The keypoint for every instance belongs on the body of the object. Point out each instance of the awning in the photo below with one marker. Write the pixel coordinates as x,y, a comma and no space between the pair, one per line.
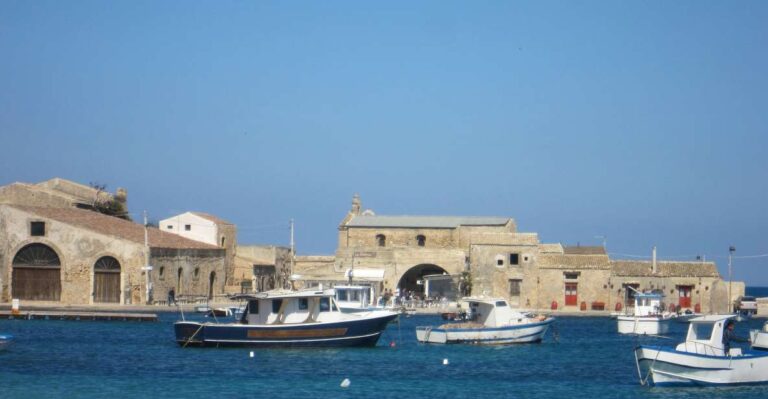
365,274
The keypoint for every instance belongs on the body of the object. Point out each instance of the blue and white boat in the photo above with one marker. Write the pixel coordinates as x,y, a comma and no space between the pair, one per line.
5,341
288,319
488,321
701,359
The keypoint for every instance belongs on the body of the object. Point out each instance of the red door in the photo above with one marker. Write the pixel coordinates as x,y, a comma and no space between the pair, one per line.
685,295
571,296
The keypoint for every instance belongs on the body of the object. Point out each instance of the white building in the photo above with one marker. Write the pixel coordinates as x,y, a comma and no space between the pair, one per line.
197,226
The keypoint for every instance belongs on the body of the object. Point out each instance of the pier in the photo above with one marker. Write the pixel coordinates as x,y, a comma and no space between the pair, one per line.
76,315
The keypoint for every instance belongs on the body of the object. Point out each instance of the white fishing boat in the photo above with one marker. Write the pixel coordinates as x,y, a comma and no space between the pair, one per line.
488,321
701,359
759,338
288,319
648,317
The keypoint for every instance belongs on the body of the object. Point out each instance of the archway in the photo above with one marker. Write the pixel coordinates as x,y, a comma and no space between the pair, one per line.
412,281
211,283
106,280
36,274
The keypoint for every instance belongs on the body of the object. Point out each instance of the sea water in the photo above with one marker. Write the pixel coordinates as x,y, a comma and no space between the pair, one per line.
581,357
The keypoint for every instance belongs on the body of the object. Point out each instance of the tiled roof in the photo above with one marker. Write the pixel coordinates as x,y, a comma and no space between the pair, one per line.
579,250
560,261
630,268
438,222
212,218
115,227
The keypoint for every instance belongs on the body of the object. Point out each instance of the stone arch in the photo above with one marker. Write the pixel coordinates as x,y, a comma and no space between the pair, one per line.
106,280
36,273
409,280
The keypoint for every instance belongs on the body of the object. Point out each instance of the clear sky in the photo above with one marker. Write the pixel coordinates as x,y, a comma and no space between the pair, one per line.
643,122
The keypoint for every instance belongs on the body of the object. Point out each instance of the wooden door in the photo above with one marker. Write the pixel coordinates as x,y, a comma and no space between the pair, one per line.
571,294
684,296
37,284
106,287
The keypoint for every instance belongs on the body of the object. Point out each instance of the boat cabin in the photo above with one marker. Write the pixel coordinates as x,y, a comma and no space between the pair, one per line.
290,308
705,336
491,312
353,296
648,304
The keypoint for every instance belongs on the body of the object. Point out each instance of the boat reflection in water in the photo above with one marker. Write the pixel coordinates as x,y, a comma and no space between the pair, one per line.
288,319
488,321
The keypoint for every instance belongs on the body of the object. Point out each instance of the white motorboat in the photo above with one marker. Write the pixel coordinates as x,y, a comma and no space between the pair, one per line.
759,338
648,317
701,359
287,319
488,321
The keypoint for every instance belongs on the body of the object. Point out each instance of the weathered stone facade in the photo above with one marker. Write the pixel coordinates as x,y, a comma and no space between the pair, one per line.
81,238
499,261
261,268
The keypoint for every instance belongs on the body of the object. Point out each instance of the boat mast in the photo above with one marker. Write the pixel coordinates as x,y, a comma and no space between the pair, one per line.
729,304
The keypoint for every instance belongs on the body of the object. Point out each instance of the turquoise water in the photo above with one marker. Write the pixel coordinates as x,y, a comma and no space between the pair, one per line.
79,359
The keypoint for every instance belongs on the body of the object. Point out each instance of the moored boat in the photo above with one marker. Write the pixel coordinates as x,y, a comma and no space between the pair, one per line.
5,341
488,321
287,319
701,359
647,318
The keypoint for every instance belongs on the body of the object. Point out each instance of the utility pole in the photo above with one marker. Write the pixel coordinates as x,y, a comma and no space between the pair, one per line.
147,268
293,249
731,250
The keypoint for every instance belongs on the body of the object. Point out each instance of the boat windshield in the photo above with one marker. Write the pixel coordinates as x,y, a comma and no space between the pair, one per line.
501,304
700,331
325,304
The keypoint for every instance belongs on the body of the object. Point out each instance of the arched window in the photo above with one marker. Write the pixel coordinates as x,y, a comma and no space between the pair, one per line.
381,240
421,240
197,272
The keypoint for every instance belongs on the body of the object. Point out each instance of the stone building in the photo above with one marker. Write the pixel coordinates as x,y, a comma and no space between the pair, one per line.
261,268
208,229
488,256
67,255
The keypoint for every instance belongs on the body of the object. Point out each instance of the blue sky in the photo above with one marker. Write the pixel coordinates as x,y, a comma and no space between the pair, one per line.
644,122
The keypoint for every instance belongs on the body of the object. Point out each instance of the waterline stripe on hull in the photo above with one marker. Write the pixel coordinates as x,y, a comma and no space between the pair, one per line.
253,341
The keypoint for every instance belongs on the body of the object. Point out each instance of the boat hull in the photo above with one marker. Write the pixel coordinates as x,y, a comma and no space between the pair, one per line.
362,332
643,325
5,341
669,367
516,334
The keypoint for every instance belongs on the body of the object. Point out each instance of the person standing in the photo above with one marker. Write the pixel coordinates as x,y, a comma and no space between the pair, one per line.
729,335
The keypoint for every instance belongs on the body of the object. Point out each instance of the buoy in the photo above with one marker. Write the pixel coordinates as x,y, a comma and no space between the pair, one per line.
251,353
392,344
445,362
345,383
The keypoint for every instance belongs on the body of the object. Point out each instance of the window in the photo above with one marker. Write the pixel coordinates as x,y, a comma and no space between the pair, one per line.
187,227
37,229
325,304
276,304
222,241
421,240
161,271
303,304
571,276
514,287
501,304
514,259
169,227
197,272
381,240
253,307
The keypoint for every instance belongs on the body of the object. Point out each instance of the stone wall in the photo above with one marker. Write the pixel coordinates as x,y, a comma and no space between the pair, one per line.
77,249
189,272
